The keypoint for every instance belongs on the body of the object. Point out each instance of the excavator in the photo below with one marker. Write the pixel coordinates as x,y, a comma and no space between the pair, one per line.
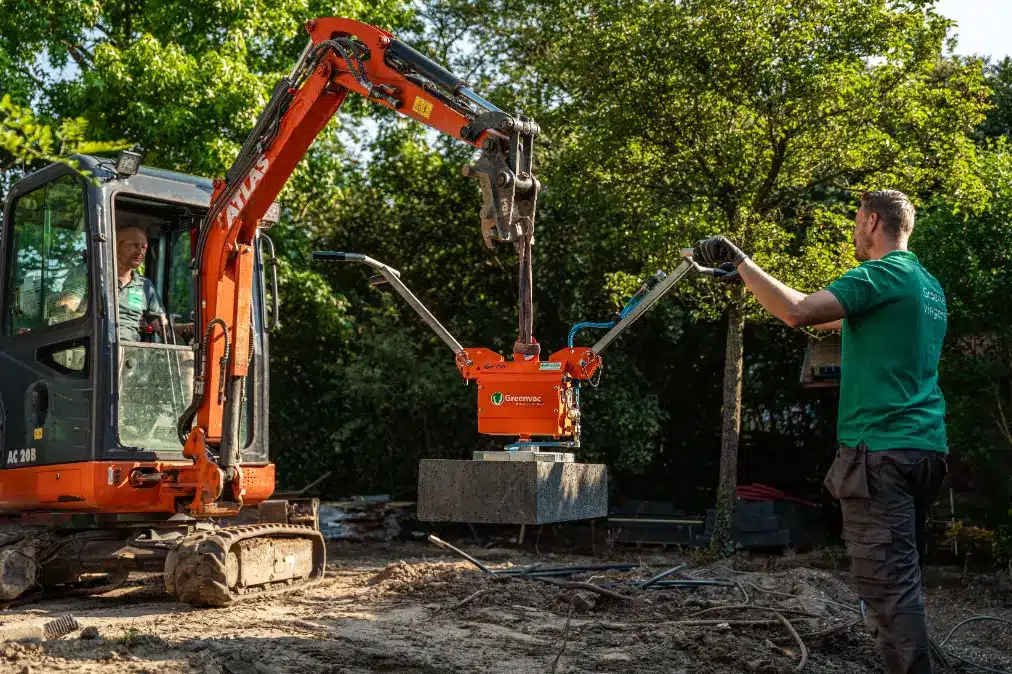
124,455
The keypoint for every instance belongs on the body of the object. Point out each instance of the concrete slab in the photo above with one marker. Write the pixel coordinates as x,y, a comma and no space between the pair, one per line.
510,492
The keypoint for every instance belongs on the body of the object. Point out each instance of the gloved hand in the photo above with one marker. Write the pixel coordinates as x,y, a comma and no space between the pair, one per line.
717,250
728,273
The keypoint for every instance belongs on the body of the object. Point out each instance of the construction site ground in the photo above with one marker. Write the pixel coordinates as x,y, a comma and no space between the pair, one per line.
416,608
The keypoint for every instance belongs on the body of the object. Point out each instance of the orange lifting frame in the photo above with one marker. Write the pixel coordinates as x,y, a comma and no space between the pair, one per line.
526,396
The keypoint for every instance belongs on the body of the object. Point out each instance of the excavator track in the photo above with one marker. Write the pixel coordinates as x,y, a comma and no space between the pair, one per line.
19,552
231,564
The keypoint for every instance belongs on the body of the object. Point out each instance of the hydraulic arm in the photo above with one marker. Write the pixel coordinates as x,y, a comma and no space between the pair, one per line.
342,56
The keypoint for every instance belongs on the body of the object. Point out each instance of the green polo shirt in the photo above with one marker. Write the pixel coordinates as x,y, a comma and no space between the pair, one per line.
892,339
137,299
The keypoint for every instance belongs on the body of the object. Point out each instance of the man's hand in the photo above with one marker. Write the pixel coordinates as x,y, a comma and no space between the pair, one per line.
727,273
184,332
716,251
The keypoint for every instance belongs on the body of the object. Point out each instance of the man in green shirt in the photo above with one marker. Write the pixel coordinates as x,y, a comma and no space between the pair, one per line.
139,306
891,429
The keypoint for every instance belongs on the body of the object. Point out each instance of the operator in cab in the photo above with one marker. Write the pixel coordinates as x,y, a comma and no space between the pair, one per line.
139,305
140,308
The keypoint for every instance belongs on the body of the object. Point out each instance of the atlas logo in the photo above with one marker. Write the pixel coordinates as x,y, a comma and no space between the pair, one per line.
240,198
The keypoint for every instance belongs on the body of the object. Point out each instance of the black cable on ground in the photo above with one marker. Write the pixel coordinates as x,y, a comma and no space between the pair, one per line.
969,620
971,663
939,649
948,652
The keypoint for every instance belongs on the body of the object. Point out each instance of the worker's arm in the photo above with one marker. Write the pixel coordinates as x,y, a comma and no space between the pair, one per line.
820,310
74,292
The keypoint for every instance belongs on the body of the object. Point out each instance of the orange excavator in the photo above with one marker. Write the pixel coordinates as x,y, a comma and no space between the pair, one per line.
126,451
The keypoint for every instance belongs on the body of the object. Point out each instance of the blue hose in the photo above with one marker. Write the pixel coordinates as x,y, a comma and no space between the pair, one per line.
636,299
587,324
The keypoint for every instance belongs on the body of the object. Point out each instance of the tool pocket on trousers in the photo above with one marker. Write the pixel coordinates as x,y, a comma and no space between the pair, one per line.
864,521
868,539
870,551
848,476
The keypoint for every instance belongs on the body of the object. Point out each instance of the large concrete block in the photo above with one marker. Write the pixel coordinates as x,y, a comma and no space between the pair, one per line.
510,492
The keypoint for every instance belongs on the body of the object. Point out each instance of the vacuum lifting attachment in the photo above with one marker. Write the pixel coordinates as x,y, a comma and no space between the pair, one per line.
524,397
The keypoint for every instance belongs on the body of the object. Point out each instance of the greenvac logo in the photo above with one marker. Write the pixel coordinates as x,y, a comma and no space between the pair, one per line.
497,398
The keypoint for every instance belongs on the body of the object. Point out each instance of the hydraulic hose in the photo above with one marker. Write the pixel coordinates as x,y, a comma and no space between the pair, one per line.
200,367
587,324
630,305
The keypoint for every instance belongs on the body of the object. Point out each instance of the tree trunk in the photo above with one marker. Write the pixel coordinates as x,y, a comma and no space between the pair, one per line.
730,425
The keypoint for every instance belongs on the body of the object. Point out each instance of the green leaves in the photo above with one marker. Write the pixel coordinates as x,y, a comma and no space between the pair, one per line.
28,142
183,81
751,113
970,252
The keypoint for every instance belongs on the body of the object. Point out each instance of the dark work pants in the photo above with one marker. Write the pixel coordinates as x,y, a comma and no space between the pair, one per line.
884,497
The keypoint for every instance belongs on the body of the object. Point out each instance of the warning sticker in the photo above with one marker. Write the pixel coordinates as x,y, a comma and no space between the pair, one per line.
422,107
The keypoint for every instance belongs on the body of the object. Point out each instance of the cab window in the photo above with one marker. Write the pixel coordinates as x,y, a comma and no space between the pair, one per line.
156,373
48,280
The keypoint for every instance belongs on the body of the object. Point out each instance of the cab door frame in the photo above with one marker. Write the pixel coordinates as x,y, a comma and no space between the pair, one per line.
72,395
167,187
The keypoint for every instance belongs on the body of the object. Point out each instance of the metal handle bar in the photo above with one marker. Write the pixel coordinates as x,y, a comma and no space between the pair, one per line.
393,277
655,294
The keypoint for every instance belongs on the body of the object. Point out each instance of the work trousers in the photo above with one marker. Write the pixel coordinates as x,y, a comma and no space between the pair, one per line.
884,496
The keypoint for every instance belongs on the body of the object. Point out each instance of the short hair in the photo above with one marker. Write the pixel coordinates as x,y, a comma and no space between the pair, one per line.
126,228
893,208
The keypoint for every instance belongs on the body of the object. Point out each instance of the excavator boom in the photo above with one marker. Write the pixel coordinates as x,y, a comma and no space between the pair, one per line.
342,56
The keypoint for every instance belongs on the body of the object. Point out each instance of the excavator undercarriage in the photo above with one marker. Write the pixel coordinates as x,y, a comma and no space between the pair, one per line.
204,563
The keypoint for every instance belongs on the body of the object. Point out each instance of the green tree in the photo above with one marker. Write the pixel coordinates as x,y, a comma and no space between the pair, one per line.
753,118
971,254
999,118
26,142
184,81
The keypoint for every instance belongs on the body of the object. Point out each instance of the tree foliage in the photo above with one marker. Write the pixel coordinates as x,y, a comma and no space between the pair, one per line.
183,80
971,254
999,117
755,118
28,143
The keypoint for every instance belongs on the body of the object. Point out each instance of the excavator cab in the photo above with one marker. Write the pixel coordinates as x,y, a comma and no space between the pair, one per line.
76,388
94,483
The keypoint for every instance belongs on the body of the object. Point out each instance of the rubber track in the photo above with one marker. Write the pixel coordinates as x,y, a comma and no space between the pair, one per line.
13,535
195,568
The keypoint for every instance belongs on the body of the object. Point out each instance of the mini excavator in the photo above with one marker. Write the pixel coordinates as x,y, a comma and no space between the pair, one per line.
122,455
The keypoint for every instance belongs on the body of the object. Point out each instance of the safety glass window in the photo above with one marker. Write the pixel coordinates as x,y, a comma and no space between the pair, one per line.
178,286
48,282
155,386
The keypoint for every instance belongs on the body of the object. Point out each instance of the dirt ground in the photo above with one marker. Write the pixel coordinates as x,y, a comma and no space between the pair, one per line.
400,607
